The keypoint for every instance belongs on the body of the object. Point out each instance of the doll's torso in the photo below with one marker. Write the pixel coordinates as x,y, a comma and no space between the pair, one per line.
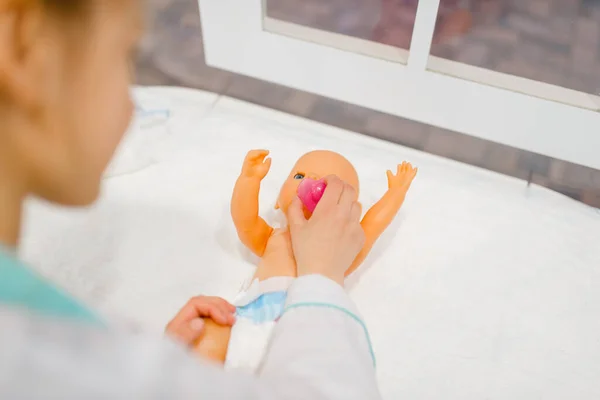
278,258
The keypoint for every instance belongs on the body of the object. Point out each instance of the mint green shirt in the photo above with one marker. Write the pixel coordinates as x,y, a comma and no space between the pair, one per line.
22,287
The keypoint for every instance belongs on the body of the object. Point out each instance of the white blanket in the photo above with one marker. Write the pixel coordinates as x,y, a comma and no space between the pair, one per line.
482,288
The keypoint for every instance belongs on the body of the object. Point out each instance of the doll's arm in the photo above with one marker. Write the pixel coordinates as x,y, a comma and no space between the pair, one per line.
379,217
252,230
375,221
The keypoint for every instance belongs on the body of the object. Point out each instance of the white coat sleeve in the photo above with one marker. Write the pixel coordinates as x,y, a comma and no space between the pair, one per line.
320,351
321,348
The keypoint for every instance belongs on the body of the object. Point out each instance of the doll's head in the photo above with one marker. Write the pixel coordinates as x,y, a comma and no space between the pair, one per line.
316,165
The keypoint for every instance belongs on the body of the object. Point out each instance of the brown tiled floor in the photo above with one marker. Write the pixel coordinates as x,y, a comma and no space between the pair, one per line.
172,54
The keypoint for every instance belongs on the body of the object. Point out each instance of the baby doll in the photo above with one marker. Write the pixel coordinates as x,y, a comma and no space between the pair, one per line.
261,303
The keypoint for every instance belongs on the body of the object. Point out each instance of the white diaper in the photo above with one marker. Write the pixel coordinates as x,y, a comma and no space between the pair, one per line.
259,306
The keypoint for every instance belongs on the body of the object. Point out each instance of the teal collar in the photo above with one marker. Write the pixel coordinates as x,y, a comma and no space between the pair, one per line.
22,287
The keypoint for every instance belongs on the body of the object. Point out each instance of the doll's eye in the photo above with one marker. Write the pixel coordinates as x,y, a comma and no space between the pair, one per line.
299,176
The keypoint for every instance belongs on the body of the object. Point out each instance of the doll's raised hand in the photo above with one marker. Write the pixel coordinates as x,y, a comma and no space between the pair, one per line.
256,165
404,176
377,219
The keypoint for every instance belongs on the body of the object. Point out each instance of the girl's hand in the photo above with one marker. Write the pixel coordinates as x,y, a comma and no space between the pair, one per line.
188,324
328,242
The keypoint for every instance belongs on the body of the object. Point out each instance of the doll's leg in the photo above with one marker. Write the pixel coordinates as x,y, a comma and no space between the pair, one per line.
214,341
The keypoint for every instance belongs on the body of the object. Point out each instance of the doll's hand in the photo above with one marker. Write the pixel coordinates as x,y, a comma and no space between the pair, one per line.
188,324
403,178
256,165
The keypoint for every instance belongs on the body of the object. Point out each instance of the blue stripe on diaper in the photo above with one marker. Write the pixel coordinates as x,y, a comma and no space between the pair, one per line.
266,308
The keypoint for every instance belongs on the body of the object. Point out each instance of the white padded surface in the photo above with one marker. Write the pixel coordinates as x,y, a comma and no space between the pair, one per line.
482,288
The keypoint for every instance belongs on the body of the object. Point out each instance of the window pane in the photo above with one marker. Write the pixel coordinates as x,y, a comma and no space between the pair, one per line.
551,41
383,21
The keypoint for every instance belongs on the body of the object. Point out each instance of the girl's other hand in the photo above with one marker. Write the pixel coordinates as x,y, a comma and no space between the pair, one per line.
188,324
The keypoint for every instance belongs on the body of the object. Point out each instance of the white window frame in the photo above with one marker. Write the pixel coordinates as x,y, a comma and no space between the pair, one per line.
514,111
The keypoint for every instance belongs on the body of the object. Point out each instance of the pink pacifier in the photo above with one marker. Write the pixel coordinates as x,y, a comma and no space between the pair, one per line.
310,192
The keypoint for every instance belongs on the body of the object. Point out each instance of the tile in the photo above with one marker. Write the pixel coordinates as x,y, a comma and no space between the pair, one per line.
596,179
582,82
523,23
300,103
539,8
456,146
245,88
591,198
443,50
557,62
578,176
203,78
519,67
503,159
339,114
556,170
536,163
147,74
490,11
260,92
587,31
583,59
497,35
475,54
397,130
574,193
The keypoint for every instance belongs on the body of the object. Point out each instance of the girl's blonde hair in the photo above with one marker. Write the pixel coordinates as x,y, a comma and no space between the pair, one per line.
65,9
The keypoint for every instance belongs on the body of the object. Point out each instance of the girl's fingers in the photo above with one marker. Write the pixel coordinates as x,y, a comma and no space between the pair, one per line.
331,196
347,197
198,307
221,311
296,218
190,311
228,305
220,317
221,302
355,212
188,332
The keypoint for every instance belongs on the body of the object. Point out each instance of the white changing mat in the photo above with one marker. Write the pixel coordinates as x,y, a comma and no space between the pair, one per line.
482,288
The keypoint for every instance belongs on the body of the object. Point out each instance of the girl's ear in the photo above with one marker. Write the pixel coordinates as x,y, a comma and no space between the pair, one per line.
22,53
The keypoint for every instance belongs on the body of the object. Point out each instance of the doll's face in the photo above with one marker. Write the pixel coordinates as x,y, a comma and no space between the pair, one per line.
316,165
